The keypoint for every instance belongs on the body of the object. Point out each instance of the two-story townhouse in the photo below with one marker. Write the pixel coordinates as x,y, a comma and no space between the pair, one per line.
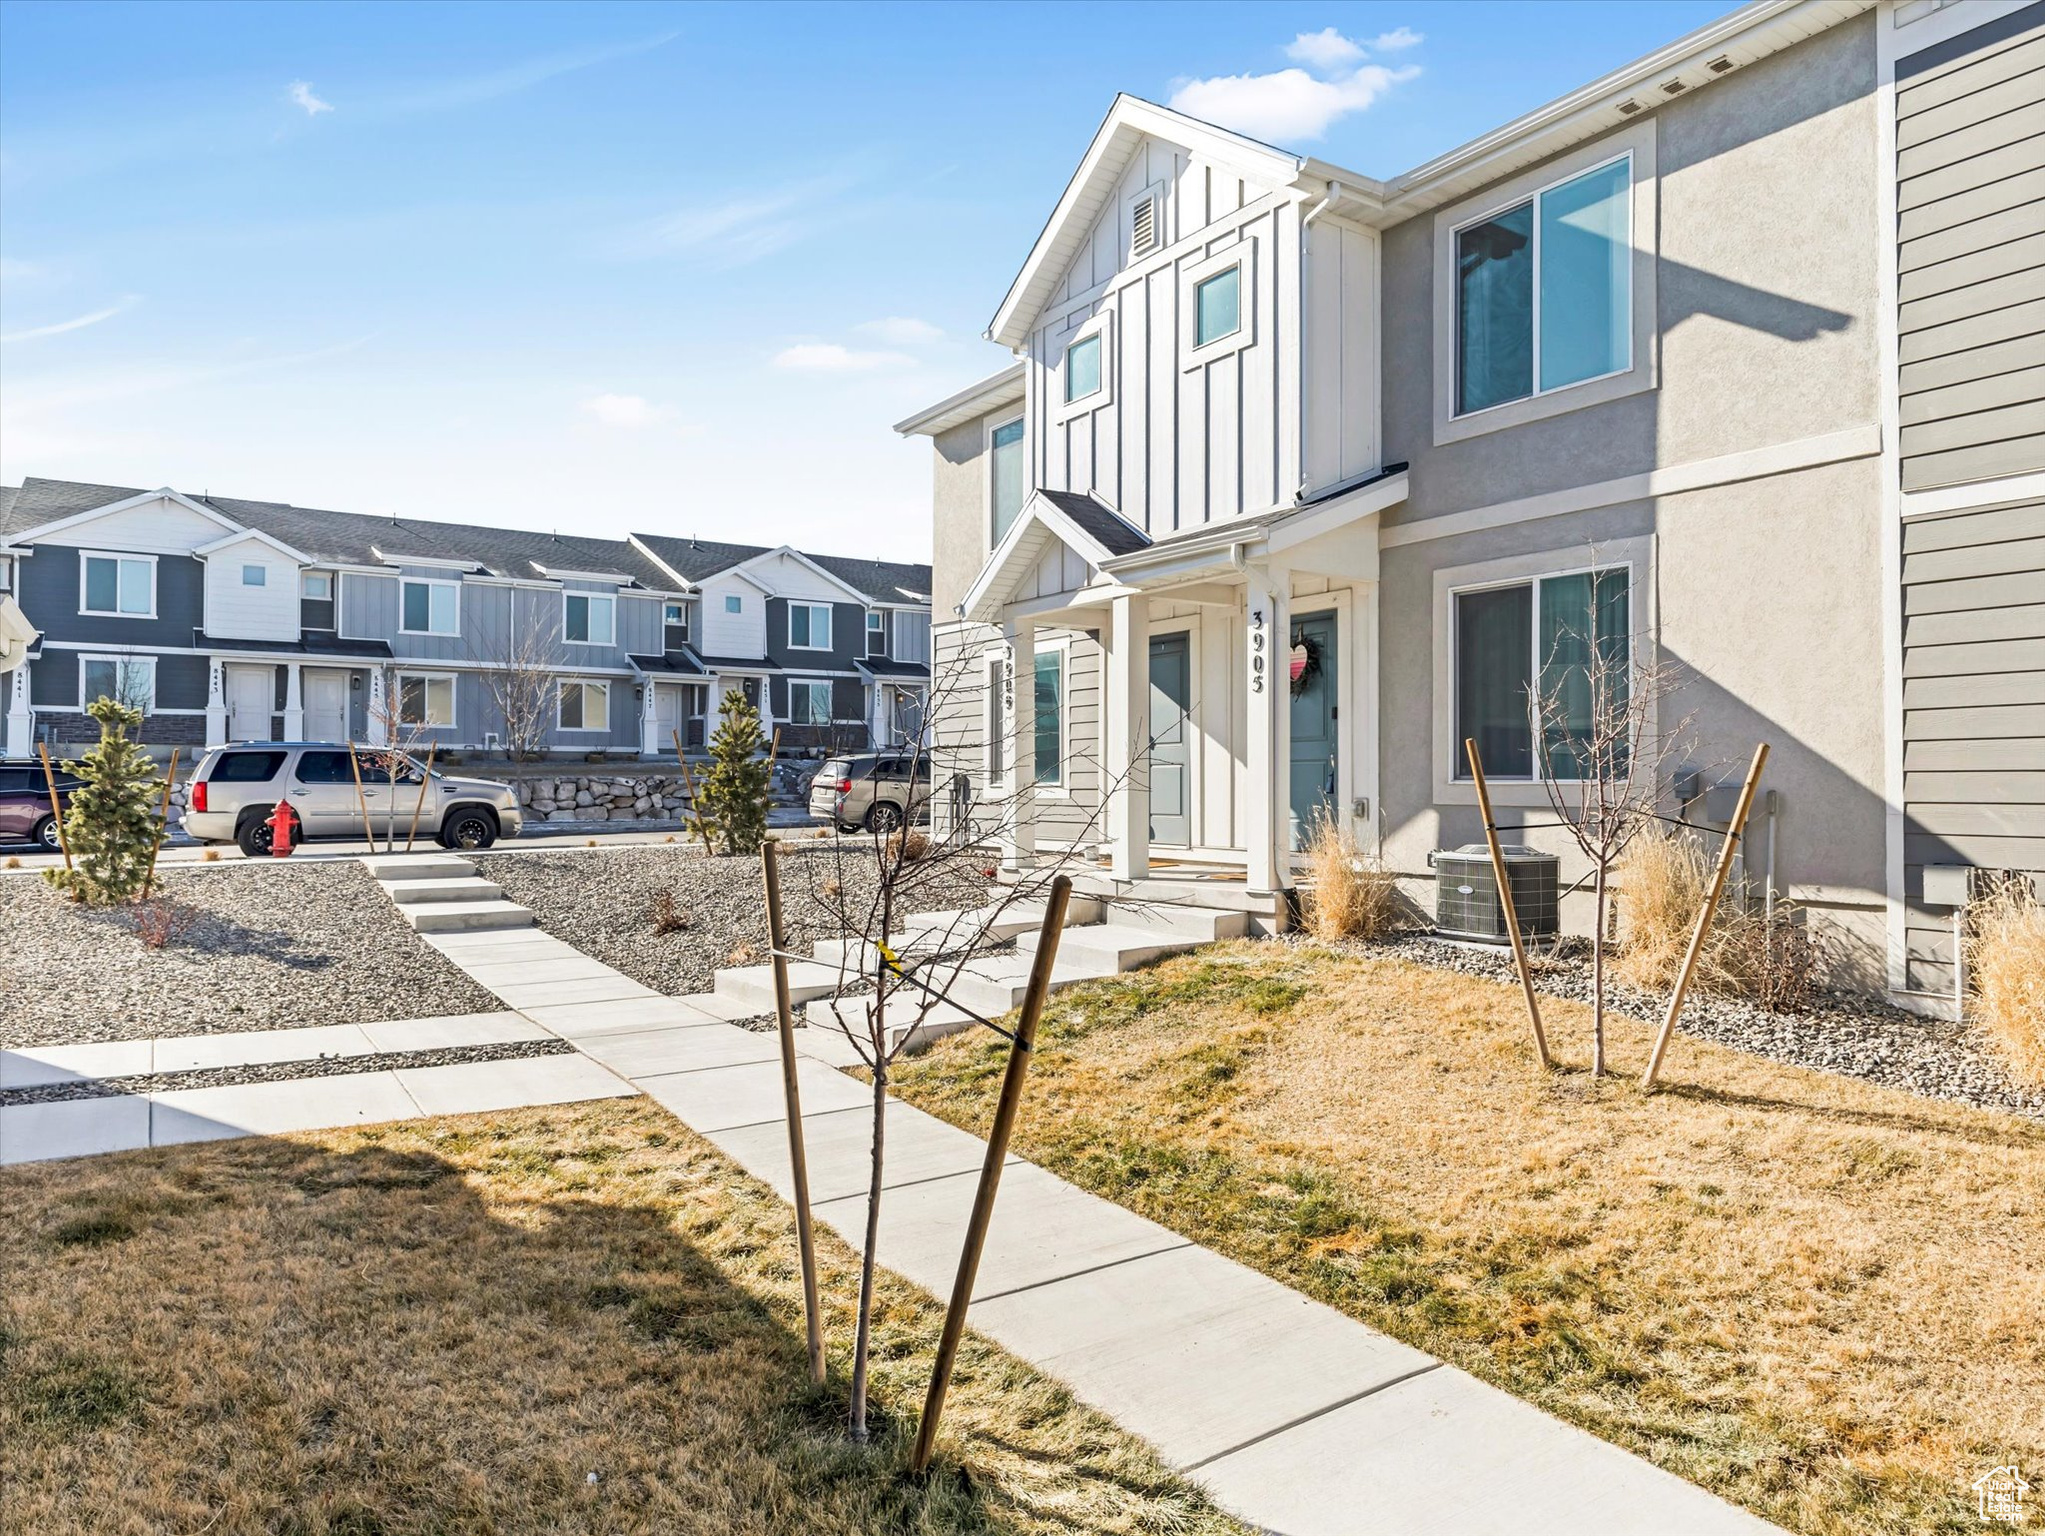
227,619
1302,476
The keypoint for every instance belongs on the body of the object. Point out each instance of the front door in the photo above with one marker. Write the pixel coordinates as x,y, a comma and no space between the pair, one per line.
1171,795
1315,722
326,705
667,715
251,697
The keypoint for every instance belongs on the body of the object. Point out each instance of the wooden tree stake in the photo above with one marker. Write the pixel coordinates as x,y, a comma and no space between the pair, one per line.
695,806
361,798
1005,1111
56,810
1725,864
1512,919
798,1159
432,751
170,779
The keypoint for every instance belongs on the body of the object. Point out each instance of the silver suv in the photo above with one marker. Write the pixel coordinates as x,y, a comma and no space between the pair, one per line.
871,792
236,788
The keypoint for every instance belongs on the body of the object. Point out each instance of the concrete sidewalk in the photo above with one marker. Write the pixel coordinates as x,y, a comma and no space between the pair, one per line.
1299,1419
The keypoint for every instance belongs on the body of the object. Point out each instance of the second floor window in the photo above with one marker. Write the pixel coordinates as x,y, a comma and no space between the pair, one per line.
1083,368
732,602
589,620
118,585
876,634
676,617
1544,293
1005,475
316,586
1218,307
809,626
255,575
431,608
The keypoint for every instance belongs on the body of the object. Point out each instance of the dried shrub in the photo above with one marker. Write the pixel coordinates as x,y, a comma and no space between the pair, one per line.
2006,962
1349,895
742,954
831,887
210,856
1662,883
908,846
160,922
668,917
14,861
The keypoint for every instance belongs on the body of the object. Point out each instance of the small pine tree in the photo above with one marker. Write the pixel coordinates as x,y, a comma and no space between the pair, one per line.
735,788
110,823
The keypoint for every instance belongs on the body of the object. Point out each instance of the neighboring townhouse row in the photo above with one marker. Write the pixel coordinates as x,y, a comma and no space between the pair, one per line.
231,620
1733,359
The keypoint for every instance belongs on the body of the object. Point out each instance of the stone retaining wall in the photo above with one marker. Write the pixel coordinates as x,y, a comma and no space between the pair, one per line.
637,797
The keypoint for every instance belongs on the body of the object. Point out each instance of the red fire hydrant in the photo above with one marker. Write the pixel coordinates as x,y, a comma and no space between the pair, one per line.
282,823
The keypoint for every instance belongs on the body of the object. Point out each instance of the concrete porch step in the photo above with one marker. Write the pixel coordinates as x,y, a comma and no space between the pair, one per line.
418,866
753,985
922,933
465,916
415,892
993,986
1113,947
909,1036
1204,924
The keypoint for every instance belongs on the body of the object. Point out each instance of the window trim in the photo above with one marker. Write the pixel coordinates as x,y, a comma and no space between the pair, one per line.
1635,142
430,581
809,686
593,598
86,658
454,694
85,556
1634,556
1061,787
1103,326
993,425
830,624
1243,255
880,629
322,576
561,687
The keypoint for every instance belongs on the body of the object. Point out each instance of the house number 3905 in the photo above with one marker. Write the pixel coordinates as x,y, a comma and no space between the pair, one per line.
1257,658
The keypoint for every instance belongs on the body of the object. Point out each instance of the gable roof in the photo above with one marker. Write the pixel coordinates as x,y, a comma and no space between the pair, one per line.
1094,518
976,399
881,581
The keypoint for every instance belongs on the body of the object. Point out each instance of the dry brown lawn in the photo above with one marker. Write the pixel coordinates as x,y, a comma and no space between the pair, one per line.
448,1326
1821,1299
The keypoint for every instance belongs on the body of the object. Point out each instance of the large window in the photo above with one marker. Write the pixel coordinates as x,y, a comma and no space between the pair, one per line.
431,608
1083,368
119,584
587,619
1218,306
1524,658
1544,291
809,626
1005,475
585,706
809,703
425,699
1050,717
129,680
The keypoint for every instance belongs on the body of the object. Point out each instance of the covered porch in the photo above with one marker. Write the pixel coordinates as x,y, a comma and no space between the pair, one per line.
1205,697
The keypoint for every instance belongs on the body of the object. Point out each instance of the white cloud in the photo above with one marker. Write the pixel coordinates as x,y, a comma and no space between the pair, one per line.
901,331
829,357
622,410
77,324
1326,50
301,94
1397,38
1287,105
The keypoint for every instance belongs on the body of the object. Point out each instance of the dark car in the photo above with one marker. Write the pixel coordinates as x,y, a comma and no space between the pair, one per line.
25,804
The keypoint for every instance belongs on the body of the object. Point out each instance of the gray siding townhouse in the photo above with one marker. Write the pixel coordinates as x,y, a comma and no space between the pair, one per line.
1734,359
233,620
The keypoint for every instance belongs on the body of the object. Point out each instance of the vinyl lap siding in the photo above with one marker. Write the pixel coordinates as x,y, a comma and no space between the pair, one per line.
1973,708
1970,183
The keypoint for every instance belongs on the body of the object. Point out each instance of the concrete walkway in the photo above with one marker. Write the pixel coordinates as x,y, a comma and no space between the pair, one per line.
1298,1418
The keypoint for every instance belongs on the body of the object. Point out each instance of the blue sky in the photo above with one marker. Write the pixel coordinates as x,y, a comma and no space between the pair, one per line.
606,267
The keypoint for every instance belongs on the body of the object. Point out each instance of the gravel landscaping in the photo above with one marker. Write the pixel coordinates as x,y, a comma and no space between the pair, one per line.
1846,1032
601,900
273,947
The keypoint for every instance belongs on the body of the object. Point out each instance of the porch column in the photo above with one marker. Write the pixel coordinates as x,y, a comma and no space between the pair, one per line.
294,704
216,703
1019,752
649,719
379,715
1125,703
877,715
21,719
1267,800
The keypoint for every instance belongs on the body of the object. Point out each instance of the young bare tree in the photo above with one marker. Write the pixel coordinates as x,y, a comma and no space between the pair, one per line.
520,672
400,715
893,971
1597,709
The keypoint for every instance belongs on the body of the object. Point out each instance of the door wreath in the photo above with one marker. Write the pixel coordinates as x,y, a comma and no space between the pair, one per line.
1306,661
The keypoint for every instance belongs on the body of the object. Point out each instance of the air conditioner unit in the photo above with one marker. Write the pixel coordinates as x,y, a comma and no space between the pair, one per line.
1466,904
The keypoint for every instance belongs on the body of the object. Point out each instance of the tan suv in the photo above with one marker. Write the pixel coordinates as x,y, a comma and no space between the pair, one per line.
871,792
236,788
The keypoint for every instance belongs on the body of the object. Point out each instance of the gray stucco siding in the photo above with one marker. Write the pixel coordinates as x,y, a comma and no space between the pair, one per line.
49,595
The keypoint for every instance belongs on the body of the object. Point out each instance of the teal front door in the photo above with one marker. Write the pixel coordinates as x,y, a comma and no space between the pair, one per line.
1316,726
1171,762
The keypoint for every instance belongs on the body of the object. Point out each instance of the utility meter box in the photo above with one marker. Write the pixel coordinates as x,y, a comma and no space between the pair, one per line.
1948,885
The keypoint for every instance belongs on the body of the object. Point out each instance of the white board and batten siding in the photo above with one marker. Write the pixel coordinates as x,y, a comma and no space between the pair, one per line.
1973,709
236,610
1970,199
722,633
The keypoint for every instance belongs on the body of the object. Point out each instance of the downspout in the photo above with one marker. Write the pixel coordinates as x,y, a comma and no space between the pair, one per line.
1305,229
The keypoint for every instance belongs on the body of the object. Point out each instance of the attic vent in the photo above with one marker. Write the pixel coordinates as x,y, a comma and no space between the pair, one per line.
1673,87
1628,107
1143,226
1720,65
